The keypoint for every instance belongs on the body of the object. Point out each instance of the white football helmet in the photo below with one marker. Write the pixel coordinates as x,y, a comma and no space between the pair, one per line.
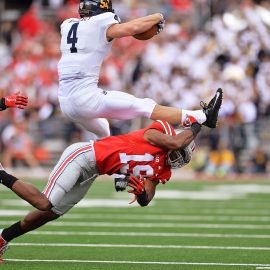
181,157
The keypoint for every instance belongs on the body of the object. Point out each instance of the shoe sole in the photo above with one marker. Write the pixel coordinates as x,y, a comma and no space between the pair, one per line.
218,98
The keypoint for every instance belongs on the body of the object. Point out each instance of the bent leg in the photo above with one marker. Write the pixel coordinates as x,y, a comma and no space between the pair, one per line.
98,127
169,114
123,106
31,222
26,191
37,219
31,194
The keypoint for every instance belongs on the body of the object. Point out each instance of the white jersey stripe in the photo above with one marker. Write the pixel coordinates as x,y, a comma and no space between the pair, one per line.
169,127
64,164
164,127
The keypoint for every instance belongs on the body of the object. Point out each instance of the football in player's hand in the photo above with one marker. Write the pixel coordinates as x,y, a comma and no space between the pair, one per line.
147,34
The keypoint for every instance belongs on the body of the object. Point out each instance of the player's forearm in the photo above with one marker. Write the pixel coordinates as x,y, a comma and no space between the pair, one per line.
169,142
140,25
184,138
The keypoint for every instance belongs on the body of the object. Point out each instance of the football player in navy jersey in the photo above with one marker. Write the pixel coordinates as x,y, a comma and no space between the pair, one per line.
85,42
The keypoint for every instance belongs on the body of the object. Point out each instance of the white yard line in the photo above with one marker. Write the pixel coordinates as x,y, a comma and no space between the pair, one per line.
140,262
151,234
138,246
177,217
151,225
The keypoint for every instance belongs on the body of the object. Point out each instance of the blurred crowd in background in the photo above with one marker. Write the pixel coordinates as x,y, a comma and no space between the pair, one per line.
206,44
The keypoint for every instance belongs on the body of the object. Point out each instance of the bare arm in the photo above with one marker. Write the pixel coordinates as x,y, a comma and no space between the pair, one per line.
133,27
159,139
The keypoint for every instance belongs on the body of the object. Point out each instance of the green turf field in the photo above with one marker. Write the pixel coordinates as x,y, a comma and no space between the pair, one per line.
189,225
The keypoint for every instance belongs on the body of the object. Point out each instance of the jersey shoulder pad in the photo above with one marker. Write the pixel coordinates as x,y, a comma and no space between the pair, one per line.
163,126
107,18
70,20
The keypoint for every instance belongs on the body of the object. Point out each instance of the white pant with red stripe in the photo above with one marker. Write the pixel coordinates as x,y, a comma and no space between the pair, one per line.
90,106
72,177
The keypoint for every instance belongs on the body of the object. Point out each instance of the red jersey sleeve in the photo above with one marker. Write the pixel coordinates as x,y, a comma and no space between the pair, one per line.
163,176
162,126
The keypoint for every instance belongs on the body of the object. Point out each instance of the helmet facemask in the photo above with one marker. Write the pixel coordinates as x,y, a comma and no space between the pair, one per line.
180,157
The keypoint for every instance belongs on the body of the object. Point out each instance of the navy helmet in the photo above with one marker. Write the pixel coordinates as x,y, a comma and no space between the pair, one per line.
90,8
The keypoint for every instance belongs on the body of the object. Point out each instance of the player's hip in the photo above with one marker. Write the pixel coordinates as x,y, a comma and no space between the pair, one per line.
77,160
75,86
82,102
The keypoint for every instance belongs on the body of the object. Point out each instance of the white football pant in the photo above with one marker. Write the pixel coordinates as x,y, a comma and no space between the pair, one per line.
90,106
72,177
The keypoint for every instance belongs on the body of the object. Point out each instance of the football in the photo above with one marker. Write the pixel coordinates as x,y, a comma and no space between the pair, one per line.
147,34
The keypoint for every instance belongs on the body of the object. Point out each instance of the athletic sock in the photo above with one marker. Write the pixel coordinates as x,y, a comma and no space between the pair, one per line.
199,115
12,232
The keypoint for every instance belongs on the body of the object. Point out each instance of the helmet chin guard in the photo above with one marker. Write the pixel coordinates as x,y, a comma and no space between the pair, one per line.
180,157
88,8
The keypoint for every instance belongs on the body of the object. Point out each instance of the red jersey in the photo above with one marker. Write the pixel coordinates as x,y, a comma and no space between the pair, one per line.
131,154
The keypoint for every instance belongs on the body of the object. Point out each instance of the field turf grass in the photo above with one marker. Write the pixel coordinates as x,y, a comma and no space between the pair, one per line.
190,225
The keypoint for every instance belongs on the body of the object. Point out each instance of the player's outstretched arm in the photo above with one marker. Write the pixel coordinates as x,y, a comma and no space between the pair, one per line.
183,139
14,101
136,26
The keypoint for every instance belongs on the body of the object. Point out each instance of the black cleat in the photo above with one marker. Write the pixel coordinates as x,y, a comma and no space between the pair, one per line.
212,109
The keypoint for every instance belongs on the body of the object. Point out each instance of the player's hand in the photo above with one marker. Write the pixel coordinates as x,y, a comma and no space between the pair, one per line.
120,184
189,121
137,185
16,101
161,24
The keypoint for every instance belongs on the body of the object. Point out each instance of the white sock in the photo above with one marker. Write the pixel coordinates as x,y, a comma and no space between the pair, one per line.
199,115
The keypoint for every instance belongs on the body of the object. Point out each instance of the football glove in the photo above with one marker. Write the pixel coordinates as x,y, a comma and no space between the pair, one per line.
15,101
161,24
120,184
137,185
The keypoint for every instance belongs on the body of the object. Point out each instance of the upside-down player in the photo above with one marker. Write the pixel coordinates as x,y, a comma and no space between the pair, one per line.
145,156
85,42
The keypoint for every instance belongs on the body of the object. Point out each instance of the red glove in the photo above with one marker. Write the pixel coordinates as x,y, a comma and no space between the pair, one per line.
16,101
138,186
189,121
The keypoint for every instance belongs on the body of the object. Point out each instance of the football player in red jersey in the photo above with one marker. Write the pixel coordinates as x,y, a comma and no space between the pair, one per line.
145,156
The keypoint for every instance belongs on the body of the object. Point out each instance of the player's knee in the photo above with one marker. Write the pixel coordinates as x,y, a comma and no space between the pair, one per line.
42,203
144,107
